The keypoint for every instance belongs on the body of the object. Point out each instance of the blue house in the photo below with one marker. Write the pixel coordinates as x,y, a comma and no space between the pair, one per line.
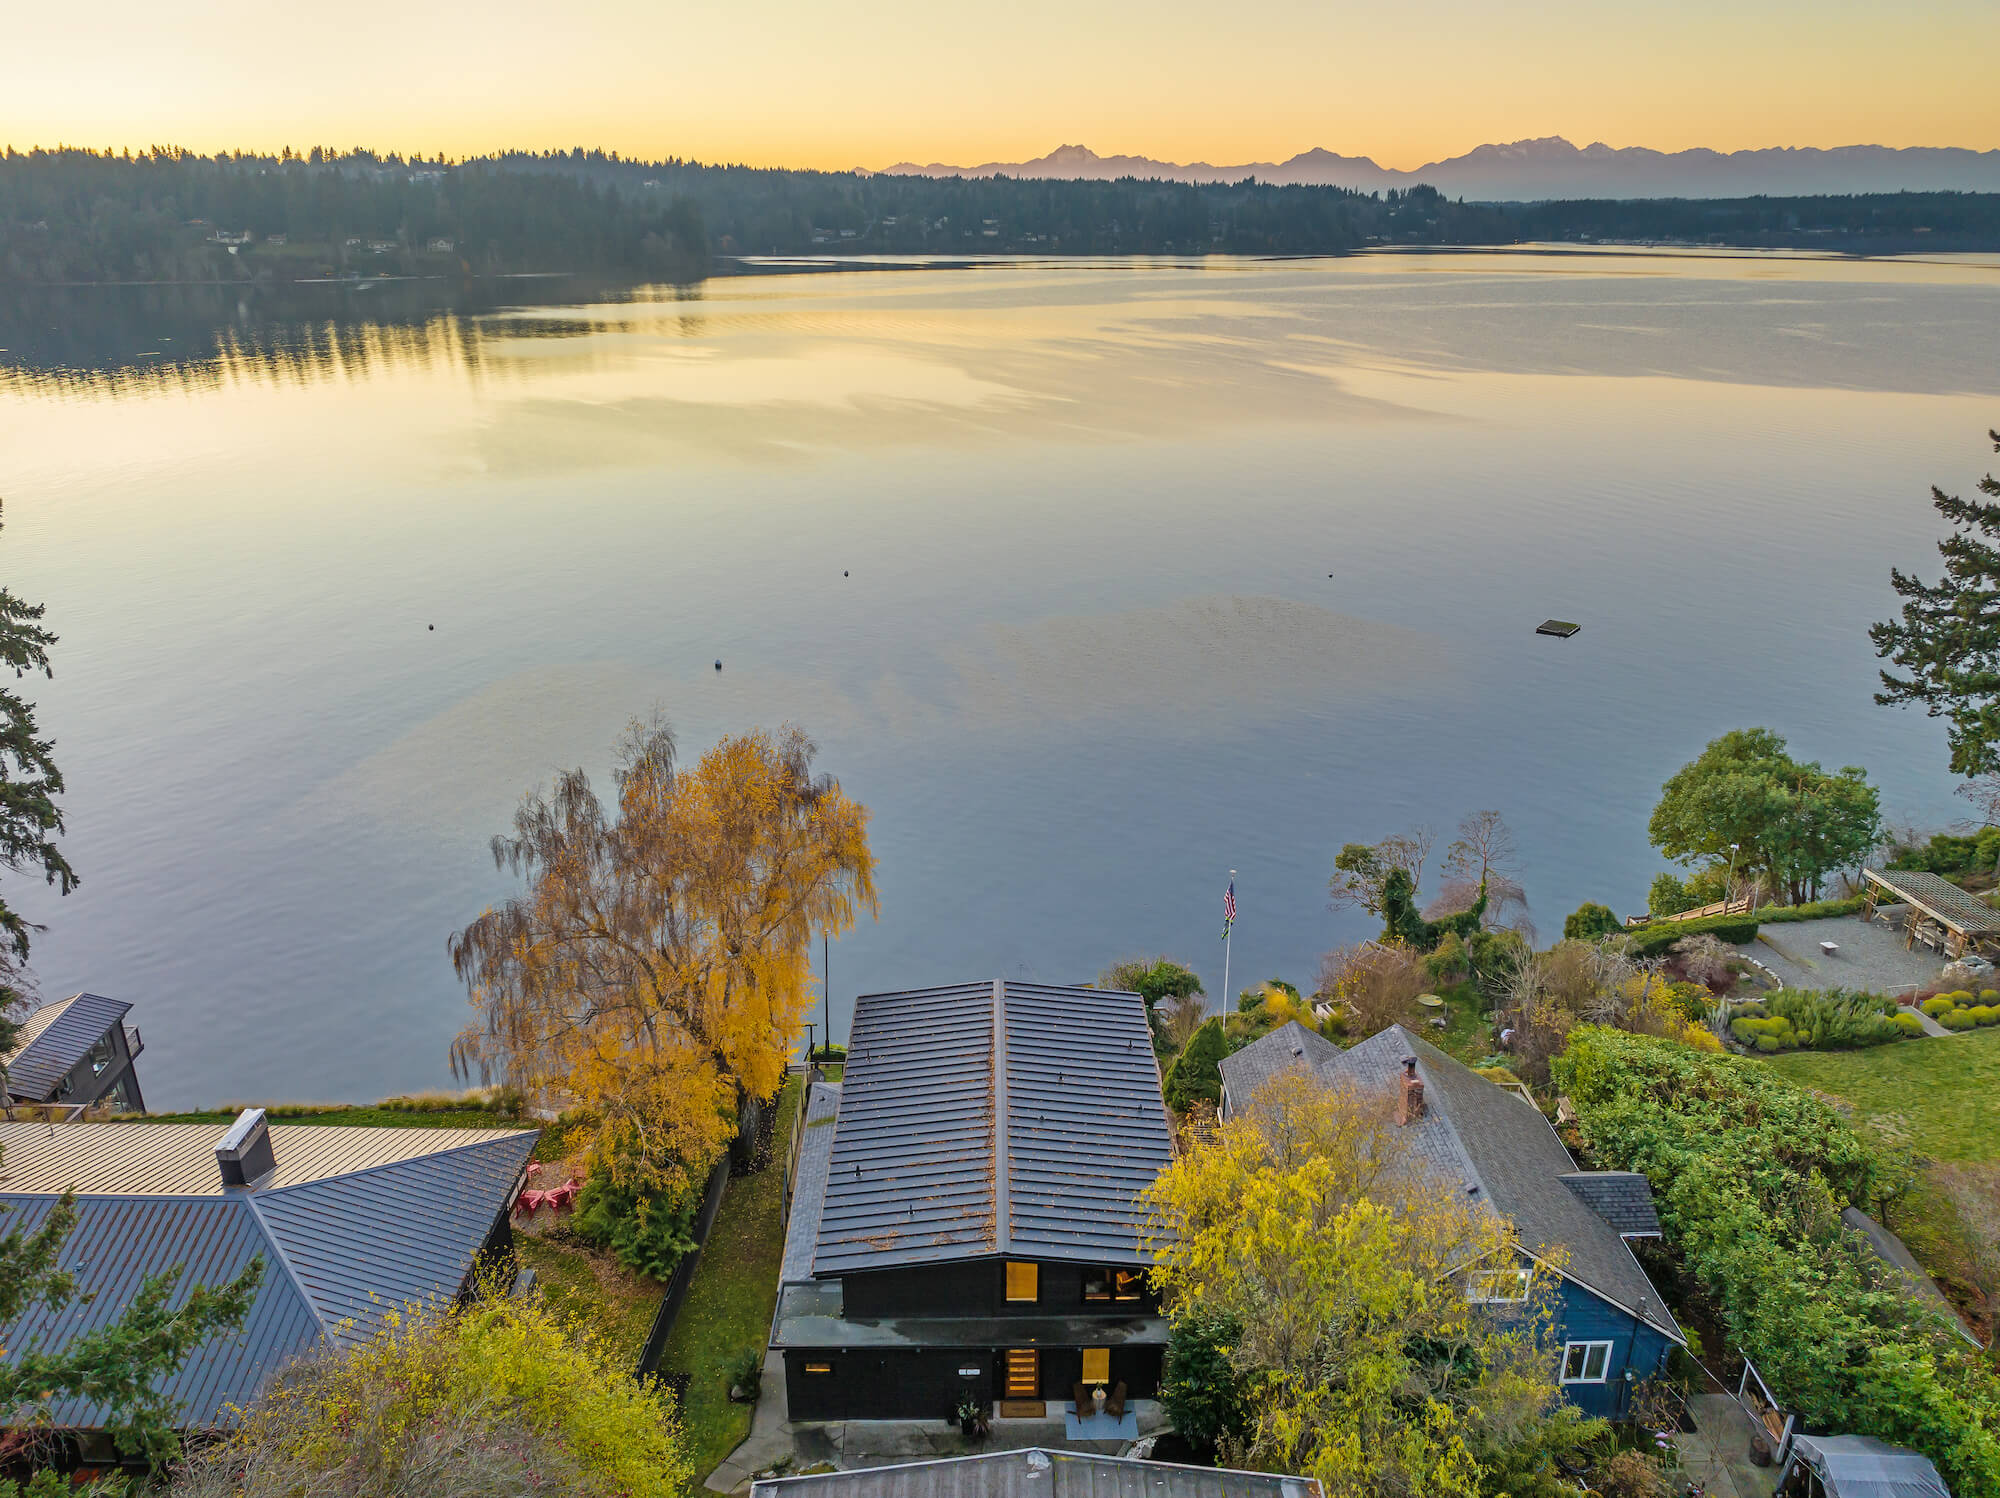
1611,1324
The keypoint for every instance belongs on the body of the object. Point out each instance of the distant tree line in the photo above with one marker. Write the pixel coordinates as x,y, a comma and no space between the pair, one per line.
70,215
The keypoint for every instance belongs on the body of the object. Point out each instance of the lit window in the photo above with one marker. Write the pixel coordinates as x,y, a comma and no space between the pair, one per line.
1024,1282
818,1368
1097,1284
1097,1365
1127,1284
1505,1286
1586,1362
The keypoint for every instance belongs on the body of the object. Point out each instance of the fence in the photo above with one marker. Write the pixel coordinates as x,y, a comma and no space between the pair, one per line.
683,1275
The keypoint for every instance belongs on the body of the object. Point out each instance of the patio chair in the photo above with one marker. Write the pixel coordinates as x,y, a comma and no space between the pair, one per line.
562,1197
1080,1395
1114,1402
529,1202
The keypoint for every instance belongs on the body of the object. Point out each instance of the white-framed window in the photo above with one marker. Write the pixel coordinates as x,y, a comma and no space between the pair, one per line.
1506,1286
1586,1362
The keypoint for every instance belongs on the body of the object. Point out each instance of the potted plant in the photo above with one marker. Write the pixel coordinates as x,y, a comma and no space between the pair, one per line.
974,1419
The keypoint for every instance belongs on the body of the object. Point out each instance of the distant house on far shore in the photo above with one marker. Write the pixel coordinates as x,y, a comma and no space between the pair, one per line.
77,1051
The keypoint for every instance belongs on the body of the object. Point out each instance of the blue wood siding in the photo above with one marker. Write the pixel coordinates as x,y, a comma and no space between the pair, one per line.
1636,1347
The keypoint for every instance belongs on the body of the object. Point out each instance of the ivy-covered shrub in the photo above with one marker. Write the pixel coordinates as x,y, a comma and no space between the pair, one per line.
1750,1173
1196,1075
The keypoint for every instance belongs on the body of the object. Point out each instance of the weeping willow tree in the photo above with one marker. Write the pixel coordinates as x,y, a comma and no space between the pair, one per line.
656,971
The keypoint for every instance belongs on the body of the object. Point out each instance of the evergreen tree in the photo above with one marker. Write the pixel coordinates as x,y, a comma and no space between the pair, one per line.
1948,640
29,785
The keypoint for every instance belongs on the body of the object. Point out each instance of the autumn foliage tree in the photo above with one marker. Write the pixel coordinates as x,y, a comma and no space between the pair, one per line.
656,972
1337,1267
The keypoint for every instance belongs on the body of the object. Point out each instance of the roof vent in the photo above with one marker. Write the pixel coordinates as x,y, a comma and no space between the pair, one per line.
243,1155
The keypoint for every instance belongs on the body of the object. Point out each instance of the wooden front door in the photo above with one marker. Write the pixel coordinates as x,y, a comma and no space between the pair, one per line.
1024,1373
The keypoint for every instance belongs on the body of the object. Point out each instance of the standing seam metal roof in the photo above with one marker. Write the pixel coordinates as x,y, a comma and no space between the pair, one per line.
339,1251
1035,1473
992,1118
49,1047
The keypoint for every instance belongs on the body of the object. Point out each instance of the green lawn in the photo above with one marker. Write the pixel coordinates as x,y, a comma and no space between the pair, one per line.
593,1289
1946,1091
729,1305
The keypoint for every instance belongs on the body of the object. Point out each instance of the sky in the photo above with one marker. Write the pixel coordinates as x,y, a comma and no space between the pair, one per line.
871,82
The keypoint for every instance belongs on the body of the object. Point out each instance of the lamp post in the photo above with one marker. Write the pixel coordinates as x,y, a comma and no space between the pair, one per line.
1729,889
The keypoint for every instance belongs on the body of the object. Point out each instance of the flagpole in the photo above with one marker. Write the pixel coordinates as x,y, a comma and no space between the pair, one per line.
1227,931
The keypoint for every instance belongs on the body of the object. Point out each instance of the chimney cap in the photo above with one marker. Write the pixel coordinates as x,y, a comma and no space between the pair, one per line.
1409,1066
241,1132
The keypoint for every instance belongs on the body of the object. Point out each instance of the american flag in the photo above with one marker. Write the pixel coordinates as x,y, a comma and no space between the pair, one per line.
1229,907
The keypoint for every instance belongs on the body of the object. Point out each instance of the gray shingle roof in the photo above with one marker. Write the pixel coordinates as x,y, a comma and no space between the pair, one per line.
1895,1253
992,1118
809,1182
338,1251
1476,1134
55,1038
1623,1198
1034,1473
1289,1046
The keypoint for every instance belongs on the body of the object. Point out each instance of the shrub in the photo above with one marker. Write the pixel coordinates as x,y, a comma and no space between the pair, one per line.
648,1233
1772,1034
1989,995
1651,941
1816,910
1937,1006
1196,1075
1200,1392
1589,921
1669,895
499,1400
1943,854
1957,1019
1750,1173
1983,1014
1835,1019
1908,1023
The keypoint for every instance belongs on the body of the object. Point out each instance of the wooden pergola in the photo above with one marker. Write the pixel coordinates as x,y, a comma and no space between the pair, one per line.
1942,915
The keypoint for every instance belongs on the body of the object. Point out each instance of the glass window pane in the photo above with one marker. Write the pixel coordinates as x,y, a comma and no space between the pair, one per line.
1097,1365
1023,1281
1097,1284
1127,1284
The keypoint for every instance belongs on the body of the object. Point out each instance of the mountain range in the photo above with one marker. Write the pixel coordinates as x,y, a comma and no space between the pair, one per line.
1533,170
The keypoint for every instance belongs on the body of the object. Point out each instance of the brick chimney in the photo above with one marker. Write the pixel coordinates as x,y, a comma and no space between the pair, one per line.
1410,1094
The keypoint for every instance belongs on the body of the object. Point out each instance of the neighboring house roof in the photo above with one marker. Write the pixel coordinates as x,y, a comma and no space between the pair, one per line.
54,1038
991,1119
1894,1252
1289,1047
179,1159
1497,1147
340,1251
1036,1473
1623,1198
1941,898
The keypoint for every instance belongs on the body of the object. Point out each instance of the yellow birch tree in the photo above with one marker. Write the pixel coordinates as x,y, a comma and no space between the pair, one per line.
656,972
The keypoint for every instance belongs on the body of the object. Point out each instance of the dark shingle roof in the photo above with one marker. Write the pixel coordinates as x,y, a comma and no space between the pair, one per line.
1034,1473
1623,1198
1895,1253
1475,1134
992,1118
338,1252
55,1038
1289,1046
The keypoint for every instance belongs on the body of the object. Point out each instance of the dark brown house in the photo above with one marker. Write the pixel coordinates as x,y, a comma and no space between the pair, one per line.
76,1051
965,1224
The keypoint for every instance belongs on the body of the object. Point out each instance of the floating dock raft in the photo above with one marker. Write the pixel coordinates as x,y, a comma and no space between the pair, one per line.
1560,627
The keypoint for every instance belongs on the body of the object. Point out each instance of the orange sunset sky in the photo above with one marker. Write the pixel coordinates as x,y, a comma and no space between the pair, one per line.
871,82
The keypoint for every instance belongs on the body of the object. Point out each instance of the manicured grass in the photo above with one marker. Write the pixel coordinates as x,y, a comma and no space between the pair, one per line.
1945,1091
729,1304
394,1113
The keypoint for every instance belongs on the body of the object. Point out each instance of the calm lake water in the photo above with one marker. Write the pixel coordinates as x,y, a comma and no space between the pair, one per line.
1095,581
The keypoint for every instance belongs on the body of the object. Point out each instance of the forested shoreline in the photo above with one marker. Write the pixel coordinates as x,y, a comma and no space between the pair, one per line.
70,216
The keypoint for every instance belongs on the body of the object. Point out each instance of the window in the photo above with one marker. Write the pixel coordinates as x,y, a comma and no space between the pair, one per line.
1097,1365
101,1056
1586,1362
819,1368
1499,1286
1024,1282
1127,1284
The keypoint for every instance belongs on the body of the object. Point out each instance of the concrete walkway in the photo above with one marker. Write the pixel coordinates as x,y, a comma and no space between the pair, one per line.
1717,1453
770,1438
1931,1026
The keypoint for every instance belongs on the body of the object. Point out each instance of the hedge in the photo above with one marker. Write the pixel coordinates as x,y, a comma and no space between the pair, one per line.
1819,910
1652,940
1750,1172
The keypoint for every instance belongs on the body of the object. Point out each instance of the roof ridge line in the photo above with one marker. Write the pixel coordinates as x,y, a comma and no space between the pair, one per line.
1003,1227
368,1170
